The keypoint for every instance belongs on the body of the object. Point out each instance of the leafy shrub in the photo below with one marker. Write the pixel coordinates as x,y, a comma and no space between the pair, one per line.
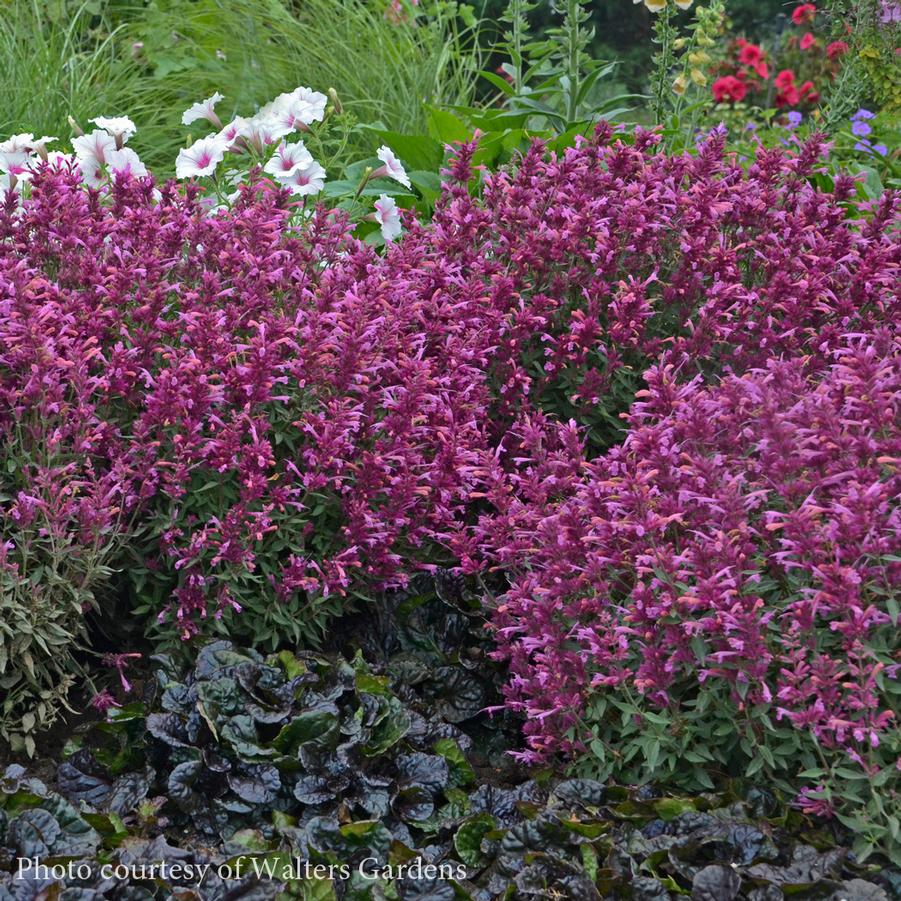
67,535
799,70
214,383
720,593
319,755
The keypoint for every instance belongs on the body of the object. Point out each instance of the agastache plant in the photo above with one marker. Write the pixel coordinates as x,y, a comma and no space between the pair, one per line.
273,420
726,582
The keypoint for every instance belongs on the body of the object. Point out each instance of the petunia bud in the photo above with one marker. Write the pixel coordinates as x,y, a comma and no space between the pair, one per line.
336,102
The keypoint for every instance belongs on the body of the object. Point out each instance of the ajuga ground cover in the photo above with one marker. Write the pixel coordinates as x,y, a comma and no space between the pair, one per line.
317,777
647,402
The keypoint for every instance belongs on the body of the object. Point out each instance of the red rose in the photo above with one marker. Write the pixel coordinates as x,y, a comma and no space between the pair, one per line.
750,54
807,41
836,48
804,13
809,92
785,79
729,88
788,97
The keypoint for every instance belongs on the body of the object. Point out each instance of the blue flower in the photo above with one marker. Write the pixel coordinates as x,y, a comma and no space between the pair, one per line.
866,146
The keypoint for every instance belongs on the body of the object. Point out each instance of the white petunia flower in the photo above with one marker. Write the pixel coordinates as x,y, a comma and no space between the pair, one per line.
393,168
287,159
59,160
17,142
309,180
125,163
120,127
16,163
201,158
388,217
91,171
15,152
235,130
39,146
260,131
313,103
269,127
297,109
279,120
203,110
94,146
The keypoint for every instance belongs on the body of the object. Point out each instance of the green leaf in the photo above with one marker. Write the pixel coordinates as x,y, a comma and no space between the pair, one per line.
501,84
414,151
670,808
310,726
468,840
446,127
392,728
461,772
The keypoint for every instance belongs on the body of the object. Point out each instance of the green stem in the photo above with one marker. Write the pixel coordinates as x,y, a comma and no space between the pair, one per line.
573,59
664,33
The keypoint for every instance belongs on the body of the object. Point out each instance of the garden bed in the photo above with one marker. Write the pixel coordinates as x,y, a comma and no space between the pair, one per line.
470,488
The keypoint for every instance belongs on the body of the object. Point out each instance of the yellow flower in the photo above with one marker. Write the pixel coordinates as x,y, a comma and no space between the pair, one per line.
699,58
684,4
655,6
680,84
698,77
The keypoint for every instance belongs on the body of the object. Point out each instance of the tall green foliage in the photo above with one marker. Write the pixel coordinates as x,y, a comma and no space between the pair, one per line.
152,61
53,67
384,67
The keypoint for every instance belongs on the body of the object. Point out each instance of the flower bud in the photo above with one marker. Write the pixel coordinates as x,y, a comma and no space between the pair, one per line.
336,102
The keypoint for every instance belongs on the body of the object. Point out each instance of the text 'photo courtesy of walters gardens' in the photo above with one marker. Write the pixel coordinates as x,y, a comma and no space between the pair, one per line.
191,874
450,451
